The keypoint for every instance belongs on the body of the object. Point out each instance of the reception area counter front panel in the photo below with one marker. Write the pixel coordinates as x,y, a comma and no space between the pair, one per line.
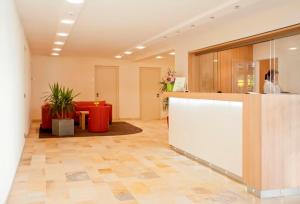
253,138
214,131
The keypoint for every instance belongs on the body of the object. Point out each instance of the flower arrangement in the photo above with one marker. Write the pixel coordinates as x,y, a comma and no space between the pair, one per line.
167,84
168,81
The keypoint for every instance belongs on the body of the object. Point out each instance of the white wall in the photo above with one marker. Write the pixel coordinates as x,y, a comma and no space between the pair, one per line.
15,72
243,23
78,73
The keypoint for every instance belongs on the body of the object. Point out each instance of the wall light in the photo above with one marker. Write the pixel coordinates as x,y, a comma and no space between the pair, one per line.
75,1
67,21
293,48
158,57
118,56
56,49
140,47
172,53
62,34
54,54
127,52
59,43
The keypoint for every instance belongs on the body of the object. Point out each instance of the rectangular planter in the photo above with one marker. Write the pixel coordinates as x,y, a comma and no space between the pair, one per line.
62,127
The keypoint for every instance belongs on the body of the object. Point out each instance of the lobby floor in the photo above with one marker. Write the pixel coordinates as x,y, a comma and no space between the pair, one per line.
128,169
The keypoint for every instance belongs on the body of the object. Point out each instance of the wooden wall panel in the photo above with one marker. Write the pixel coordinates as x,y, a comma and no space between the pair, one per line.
206,72
225,62
280,141
252,141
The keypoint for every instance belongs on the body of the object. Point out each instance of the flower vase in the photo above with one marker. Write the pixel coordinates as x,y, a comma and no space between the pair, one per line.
170,87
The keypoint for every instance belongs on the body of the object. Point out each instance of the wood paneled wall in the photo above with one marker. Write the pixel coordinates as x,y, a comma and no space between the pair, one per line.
213,72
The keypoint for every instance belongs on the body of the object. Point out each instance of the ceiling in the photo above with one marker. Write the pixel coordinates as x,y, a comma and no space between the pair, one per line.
105,28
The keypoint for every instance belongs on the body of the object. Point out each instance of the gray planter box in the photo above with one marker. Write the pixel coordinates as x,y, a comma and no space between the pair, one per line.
62,127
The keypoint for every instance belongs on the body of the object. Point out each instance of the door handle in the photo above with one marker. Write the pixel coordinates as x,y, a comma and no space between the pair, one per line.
157,95
97,95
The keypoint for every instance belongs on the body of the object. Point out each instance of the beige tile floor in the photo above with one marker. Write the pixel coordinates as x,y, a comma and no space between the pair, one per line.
128,169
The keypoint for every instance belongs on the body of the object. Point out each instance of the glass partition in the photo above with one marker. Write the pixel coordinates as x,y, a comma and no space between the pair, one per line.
267,67
278,64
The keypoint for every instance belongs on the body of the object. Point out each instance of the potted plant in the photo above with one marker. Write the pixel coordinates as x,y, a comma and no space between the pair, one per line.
60,100
167,85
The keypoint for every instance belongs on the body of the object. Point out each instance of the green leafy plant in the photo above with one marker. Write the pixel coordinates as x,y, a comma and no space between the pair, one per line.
60,100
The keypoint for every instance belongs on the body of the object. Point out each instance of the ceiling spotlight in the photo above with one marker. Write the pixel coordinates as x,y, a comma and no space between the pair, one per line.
59,43
158,57
293,48
193,26
62,34
127,52
165,37
56,49
54,54
237,7
140,47
172,53
75,1
178,31
67,21
118,57
212,17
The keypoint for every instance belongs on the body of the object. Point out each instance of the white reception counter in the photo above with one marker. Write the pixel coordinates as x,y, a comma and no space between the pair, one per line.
252,138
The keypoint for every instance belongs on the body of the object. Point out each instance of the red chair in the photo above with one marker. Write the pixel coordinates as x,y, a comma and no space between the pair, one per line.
98,119
46,117
110,112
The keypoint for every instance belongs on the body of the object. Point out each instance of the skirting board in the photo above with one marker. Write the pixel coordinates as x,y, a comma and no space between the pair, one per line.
258,193
273,193
210,165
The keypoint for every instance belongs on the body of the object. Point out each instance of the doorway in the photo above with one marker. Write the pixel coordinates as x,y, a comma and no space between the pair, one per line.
107,87
149,93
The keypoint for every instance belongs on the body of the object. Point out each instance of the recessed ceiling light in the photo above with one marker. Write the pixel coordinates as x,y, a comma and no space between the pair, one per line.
54,54
140,47
56,49
118,56
75,1
67,21
127,52
237,7
62,34
158,57
172,53
59,43
212,17
293,48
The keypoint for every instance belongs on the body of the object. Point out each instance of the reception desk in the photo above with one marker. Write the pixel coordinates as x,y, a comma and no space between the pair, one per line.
252,138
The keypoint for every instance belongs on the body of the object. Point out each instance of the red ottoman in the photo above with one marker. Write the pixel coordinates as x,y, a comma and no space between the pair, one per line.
98,119
110,112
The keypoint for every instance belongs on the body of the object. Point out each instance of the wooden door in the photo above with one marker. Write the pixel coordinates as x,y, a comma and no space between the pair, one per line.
149,89
264,67
107,87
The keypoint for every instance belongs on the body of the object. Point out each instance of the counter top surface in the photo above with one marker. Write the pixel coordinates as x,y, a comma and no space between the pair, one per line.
210,96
